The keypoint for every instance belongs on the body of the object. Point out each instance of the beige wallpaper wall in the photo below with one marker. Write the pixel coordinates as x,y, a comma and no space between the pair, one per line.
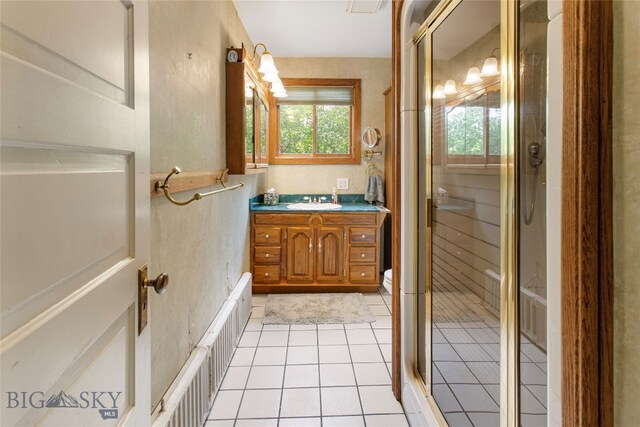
626,210
204,246
376,78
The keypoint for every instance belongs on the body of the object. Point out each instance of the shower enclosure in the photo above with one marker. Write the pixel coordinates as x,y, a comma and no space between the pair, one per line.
482,275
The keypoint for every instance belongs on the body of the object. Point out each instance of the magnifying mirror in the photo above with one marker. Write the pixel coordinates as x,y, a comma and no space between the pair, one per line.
371,138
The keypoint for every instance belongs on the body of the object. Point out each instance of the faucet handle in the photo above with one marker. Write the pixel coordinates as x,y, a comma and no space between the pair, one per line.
323,199
307,199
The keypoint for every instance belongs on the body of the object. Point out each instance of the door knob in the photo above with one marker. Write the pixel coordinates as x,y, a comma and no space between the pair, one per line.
160,283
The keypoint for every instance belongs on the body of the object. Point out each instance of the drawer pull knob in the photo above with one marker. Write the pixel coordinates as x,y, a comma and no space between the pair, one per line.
266,255
364,236
266,236
363,255
362,274
266,274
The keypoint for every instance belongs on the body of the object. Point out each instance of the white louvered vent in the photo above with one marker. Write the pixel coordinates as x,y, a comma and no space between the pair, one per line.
188,400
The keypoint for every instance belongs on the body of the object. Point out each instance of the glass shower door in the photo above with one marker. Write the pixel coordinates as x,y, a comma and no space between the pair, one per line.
482,108
460,193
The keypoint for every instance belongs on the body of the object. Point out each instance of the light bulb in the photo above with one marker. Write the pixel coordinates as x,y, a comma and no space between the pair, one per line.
438,93
473,76
450,88
490,67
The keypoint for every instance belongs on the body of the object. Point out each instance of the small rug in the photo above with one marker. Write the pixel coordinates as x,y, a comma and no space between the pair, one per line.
307,309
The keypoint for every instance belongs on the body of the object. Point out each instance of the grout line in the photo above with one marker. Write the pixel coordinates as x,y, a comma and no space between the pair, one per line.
249,374
319,377
284,374
355,379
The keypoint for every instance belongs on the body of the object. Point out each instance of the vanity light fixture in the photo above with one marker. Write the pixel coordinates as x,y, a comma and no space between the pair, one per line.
473,76
490,65
450,88
438,92
267,66
278,90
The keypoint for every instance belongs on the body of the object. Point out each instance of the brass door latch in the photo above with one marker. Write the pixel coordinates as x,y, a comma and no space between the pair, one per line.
160,284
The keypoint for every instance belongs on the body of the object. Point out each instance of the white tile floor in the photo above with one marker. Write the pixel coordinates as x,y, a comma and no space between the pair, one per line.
311,375
466,363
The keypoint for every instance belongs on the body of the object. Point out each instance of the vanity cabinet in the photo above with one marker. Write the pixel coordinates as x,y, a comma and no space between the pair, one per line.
315,252
247,115
300,246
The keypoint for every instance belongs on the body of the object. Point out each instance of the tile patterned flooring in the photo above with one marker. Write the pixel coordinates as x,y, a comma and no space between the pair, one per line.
311,375
466,364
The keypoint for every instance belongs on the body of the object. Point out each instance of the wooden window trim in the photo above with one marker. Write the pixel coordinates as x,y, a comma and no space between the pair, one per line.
353,158
473,162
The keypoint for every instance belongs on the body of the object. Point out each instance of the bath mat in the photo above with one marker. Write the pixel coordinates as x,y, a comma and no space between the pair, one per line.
307,309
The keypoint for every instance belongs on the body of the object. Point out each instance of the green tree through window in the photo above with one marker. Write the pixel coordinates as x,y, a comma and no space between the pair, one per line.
318,122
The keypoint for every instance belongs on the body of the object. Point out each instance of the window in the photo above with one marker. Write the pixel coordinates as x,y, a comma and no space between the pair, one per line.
472,130
318,123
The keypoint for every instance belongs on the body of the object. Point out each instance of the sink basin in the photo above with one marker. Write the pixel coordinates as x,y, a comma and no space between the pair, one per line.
313,206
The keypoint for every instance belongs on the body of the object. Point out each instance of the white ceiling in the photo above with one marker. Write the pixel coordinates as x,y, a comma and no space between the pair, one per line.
317,28
464,27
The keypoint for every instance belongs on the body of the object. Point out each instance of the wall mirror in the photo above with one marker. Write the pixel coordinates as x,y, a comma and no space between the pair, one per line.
371,138
247,115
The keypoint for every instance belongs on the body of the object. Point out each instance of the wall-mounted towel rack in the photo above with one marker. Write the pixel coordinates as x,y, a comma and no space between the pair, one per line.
200,179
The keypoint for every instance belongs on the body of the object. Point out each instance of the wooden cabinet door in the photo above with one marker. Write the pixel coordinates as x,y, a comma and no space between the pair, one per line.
330,255
300,254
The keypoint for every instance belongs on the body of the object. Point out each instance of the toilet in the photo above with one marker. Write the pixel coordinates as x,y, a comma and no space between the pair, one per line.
387,280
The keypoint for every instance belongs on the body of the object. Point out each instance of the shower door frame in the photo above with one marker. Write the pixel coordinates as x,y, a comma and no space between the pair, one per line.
509,203
587,261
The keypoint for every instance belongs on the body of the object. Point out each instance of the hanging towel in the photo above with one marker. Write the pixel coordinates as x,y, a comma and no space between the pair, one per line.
375,190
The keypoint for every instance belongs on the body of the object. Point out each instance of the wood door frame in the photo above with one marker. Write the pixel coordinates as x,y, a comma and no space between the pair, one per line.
396,206
587,248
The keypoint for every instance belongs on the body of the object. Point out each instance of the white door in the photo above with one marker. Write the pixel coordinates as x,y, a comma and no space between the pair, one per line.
74,212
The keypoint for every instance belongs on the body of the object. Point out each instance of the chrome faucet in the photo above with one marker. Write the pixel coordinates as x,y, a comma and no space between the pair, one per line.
307,199
323,199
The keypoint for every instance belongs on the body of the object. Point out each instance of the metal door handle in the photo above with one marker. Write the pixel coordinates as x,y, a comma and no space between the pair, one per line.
160,283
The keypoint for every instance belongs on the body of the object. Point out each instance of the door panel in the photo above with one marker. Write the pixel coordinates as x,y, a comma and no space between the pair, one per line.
330,264
75,210
300,254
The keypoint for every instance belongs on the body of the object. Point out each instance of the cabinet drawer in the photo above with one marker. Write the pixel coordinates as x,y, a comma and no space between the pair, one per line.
266,273
362,255
266,255
267,236
362,235
362,273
